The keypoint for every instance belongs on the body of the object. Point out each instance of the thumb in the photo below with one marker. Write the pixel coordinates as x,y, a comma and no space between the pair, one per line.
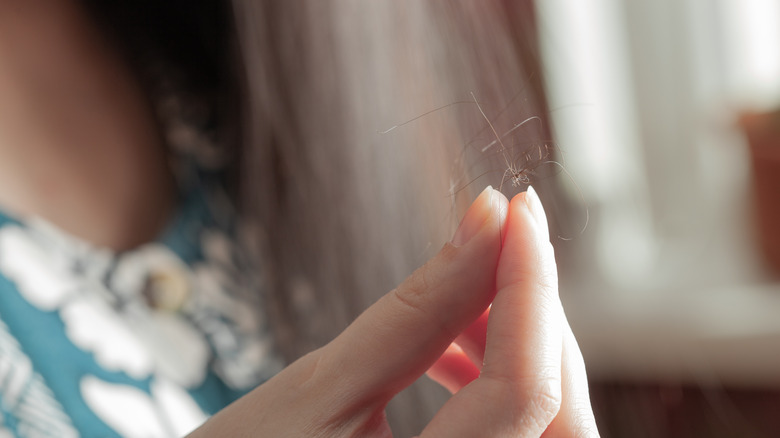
397,339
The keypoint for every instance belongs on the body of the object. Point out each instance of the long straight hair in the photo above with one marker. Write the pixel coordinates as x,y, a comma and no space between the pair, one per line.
347,206
304,96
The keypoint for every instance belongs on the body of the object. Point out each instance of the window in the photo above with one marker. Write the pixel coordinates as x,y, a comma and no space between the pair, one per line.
644,98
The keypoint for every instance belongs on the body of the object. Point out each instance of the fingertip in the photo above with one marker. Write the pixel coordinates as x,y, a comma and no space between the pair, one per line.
529,203
479,211
534,204
399,337
488,209
526,251
501,207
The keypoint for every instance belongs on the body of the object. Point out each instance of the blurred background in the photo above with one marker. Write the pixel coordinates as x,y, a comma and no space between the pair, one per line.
665,113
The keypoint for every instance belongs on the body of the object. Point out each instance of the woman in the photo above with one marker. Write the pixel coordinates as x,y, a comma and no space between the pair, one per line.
81,150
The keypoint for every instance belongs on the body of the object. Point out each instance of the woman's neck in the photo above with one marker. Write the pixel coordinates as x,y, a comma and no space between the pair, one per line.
79,146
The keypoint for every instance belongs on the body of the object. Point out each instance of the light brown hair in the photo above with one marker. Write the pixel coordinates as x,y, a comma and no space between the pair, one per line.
345,212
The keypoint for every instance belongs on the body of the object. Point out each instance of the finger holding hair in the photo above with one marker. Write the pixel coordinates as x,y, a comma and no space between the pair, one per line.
519,392
342,388
395,341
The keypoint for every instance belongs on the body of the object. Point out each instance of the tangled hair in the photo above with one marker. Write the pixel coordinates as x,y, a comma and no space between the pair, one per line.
342,213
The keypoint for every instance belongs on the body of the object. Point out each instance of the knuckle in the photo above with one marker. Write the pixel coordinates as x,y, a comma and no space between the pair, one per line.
307,371
415,287
409,299
584,425
412,302
548,272
533,405
548,284
414,291
419,291
544,401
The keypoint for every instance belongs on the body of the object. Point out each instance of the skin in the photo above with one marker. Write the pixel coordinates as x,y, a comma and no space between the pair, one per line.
78,147
515,370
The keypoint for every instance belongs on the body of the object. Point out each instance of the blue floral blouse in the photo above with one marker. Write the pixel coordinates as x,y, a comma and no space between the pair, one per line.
143,343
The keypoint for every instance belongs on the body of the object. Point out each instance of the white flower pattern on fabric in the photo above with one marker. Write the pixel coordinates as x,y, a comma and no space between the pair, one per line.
133,413
4,433
127,410
223,303
90,325
26,397
31,266
182,414
180,352
111,306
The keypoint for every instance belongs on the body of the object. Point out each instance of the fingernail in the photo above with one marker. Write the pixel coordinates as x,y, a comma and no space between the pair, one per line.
535,205
475,217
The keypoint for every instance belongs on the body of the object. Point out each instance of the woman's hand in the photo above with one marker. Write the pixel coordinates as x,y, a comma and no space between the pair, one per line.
515,369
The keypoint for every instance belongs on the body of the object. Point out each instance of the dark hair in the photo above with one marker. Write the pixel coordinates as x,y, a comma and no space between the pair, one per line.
190,36
183,53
